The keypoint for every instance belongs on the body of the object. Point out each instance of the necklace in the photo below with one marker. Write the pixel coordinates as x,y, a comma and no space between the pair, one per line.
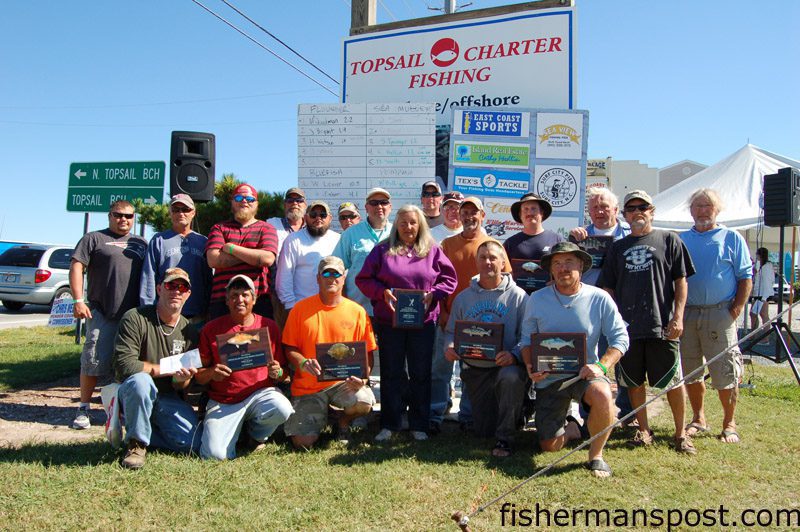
555,292
162,328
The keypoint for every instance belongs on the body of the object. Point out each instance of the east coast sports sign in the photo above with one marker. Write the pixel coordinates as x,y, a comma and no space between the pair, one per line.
524,59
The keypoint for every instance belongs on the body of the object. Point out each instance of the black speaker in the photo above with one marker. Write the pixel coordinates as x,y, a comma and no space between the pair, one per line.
191,169
782,198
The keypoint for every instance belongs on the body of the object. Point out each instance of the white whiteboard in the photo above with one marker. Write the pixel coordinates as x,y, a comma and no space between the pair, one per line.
346,149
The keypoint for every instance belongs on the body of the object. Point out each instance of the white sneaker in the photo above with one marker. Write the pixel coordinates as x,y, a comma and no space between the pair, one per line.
81,420
384,435
419,435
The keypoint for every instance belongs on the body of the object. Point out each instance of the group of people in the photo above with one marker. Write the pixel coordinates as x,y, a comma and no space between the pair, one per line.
301,284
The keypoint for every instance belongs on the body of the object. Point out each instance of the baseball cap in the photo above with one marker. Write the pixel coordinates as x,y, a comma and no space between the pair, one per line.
245,189
458,197
475,201
241,278
331,262
432,184
378,190
567,247
637,194
296,191
544,205
318,203
182,198
348,206
177,273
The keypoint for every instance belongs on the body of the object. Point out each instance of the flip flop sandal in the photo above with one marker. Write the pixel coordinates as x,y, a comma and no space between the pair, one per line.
501,449
698,429
598,465
727,434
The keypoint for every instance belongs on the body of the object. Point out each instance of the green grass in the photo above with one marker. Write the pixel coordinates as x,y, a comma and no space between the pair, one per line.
407,485
37,354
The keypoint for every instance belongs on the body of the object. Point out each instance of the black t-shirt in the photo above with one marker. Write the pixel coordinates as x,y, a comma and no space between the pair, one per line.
522,246
641,271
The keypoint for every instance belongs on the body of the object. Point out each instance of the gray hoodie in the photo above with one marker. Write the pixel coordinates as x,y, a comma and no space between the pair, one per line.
504,304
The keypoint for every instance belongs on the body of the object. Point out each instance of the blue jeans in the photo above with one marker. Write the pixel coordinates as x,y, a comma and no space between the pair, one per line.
401,348
161,420
264,410
441,387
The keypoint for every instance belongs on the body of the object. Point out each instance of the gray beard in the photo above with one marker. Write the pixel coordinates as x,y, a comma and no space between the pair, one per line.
293,216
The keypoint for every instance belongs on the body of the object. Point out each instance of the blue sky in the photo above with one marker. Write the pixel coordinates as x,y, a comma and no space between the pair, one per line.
108,81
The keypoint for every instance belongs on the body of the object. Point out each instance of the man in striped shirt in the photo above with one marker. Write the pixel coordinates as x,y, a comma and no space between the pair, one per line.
242,245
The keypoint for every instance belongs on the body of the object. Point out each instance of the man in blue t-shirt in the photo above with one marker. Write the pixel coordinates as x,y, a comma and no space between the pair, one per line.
717,294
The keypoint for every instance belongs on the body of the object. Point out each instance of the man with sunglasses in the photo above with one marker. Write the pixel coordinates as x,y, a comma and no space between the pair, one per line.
348,215
155,414
645,272
178,247
112,260
294,209
431,199
242,245
325,317
356,243
301,253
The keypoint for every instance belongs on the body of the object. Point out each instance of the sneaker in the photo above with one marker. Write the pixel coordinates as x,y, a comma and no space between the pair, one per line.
684,445
134,457
419,435
641,439
384,435
81,420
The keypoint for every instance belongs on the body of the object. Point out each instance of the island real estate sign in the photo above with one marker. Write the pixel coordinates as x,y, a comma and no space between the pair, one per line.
524,59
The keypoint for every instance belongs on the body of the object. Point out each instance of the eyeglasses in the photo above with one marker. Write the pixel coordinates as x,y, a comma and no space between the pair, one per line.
249,199
118,215
317,214
376,202
180,287
182,209
330,273
343,217
431,194
295,199
641,208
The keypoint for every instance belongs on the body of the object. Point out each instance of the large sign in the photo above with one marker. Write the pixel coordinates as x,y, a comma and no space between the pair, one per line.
93,187
524,59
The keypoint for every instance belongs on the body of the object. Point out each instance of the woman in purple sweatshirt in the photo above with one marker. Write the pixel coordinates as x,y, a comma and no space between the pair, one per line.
408,259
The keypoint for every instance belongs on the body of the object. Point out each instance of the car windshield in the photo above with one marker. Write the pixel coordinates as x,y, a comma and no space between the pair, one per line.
21,257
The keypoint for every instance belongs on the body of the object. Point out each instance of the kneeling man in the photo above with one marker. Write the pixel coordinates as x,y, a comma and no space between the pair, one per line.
245,395
327,317
155,415
495,387
569,306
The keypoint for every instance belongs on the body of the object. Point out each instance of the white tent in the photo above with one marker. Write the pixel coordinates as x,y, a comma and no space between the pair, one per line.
738,180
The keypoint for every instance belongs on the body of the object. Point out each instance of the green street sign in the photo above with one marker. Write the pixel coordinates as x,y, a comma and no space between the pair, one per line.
93,187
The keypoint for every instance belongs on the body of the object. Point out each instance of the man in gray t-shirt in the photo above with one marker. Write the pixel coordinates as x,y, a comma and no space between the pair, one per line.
112,260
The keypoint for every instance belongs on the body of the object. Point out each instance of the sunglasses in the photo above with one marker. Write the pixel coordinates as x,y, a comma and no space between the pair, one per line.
376,202
180,287
317,214
641,208
343,217
182,209
431,194
249,199
301,199
330,273
119,215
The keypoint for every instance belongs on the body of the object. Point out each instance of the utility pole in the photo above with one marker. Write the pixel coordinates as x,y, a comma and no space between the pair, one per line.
449,7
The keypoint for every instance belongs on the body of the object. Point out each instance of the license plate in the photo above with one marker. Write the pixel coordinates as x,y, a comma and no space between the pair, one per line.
9,277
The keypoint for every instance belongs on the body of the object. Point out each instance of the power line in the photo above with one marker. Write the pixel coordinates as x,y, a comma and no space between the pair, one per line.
391,15
265,48
265,30
155,104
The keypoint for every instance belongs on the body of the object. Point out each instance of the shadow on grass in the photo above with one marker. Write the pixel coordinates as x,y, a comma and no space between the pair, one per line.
21,373
52,455
56,416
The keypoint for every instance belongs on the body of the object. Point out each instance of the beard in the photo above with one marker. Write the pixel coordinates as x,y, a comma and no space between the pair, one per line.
294,215
242,217
317,231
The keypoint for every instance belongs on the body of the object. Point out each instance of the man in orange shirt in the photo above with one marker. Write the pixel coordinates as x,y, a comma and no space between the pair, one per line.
327,317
